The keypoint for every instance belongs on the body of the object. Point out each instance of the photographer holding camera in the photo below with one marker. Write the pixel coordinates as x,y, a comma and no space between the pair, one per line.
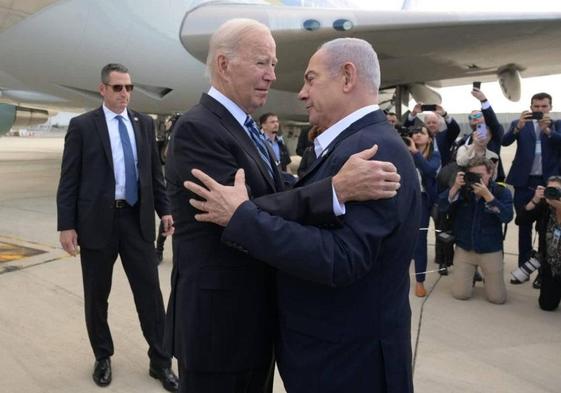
480,207
545,209
538,149
443,138
427,162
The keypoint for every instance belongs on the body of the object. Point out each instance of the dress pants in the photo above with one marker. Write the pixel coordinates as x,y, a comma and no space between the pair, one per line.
522,196
492,266
249,381
139,262
550,290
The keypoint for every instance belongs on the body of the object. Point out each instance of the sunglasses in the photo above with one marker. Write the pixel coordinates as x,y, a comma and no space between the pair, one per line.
119,88
477,115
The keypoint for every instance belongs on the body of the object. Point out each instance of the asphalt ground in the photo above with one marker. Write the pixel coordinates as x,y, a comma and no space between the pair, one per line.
459,346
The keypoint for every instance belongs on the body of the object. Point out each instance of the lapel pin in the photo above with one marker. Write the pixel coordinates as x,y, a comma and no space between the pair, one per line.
136,119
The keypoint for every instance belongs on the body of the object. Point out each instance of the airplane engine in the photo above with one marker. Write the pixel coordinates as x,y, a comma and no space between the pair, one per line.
20,117
509,80
423,93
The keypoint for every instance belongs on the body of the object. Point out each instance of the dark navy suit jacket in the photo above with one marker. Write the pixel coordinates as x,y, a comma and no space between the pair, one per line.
343,293
86,192
221,315
525,152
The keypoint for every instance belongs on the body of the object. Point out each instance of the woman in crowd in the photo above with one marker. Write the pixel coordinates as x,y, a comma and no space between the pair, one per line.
545,208
427,161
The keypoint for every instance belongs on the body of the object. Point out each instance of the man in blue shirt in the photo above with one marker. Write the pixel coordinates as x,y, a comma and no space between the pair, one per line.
270,125
538,148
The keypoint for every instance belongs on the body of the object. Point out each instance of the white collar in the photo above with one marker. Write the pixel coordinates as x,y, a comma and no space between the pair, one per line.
326,137
110,115
238,113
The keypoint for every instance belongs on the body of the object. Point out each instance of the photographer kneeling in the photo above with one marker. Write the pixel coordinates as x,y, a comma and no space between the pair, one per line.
480,207
545,208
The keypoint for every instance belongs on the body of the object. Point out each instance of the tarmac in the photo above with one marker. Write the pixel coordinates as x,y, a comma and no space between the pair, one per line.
459,346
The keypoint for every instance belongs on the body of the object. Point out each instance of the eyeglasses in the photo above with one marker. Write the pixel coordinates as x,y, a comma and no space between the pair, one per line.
119,88
474,116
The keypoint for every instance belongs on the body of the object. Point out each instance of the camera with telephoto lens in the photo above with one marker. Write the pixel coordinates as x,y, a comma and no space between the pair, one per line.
470,179
552,193
523,272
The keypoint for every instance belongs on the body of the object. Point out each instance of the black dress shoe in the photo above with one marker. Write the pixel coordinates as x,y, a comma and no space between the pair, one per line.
166,376
443,269
102,372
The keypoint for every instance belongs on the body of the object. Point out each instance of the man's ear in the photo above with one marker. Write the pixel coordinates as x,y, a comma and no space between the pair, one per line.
101,89
221,64
349,76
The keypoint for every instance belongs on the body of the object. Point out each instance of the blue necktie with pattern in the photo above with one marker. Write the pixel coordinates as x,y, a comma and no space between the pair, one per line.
259,140
131,185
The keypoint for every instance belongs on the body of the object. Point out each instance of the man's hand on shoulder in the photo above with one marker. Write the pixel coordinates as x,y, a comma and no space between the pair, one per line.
362,179
219,202
69,241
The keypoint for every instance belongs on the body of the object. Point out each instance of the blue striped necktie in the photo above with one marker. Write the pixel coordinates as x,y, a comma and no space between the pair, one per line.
131,185
259,141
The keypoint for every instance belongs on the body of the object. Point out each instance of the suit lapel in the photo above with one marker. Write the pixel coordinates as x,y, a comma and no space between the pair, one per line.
101,128
369,119
239,134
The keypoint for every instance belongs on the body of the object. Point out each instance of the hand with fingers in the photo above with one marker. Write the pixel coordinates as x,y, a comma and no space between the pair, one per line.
69,241
218,202
363,179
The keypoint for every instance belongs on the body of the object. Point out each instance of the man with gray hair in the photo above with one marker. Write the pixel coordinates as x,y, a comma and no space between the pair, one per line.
222,309
342,292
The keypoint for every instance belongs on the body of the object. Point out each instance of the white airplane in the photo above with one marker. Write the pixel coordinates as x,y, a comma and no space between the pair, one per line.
51,51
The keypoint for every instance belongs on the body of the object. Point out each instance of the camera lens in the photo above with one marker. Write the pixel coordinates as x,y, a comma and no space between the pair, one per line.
524,271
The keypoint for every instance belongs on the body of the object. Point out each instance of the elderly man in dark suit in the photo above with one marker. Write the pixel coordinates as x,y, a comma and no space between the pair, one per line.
110,184
222,312
538,148
343,293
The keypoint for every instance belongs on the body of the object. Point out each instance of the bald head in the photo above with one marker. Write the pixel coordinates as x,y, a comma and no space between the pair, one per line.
241,62
230,38
358,52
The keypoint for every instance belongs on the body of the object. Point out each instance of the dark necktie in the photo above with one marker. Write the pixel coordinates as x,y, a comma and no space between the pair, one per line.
259,141
131,185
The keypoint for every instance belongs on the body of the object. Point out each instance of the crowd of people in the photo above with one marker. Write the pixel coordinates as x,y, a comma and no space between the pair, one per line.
311,275
474,206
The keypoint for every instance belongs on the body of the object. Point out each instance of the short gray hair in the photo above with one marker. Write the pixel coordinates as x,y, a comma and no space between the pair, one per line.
227,39
357,51
112,67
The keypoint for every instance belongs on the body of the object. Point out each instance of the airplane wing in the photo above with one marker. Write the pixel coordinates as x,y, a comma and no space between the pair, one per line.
414,47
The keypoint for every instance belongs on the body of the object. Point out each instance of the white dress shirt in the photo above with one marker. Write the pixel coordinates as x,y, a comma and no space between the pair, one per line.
240,116
323,140
117,148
